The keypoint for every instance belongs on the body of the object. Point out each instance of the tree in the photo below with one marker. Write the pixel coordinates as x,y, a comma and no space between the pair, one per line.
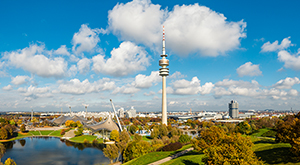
163,130
3,134
78,124
114,135
132,129
137,137
243,128
221,148
111,151
10,161
124,136
136,149
289,132
69,123
184,139
20,122
22,128
154,132
175,132
78,132
2,151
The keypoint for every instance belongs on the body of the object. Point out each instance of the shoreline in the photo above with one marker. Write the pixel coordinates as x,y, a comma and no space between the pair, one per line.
60,137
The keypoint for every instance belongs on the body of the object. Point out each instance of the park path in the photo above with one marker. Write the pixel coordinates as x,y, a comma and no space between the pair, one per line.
69,134
172,157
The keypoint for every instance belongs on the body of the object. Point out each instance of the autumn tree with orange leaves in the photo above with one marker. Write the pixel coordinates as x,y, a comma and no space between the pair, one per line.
221,148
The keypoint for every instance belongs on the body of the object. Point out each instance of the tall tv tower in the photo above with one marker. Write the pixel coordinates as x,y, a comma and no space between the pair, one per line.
164,72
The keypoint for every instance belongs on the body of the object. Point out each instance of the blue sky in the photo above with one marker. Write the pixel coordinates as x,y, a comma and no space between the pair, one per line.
58,54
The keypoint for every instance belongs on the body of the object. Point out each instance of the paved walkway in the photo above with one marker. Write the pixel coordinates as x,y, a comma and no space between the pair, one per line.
69,134
43,128
172,157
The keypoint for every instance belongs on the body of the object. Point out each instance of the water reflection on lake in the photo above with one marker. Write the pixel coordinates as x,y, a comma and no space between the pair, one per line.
51,150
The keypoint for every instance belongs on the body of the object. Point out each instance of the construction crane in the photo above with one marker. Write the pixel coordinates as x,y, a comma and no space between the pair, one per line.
116,115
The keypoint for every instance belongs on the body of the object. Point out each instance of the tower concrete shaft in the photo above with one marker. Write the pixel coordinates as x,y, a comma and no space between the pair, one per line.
164,72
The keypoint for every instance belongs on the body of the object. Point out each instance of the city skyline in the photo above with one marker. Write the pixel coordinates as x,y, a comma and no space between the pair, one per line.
60,54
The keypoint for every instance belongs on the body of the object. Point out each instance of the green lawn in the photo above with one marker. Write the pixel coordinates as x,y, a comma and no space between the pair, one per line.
80,139
274,153
35,132
56,133
46,132
260,132
192,157
154,156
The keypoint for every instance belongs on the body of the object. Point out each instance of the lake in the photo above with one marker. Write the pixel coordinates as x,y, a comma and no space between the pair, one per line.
52,150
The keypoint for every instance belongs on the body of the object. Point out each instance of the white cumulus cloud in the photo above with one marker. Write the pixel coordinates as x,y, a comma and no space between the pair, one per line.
287,83
18,80
189,29
185,87
143,81
84,65
7,88
125,60
85,40
32,59
62,50
272,47
290,61
35,92
248,69
75,86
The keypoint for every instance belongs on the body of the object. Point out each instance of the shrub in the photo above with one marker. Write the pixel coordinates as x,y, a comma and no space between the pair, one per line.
171,147
62,132
184,139
95,141
85,141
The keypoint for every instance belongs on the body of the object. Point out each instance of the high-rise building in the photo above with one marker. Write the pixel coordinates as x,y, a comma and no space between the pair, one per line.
164,72
130,113
233,109
121,112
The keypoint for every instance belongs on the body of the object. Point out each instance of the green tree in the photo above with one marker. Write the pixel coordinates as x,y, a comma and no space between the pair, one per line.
289,132
124,139
114,135
10,161
3,133
137,137
184,139
163,130
2,151
22,128
124,136
154,132
78,132
221,148
136,149
243,128
111,151
132,129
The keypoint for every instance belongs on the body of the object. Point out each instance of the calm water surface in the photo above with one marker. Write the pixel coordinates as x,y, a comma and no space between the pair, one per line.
51,150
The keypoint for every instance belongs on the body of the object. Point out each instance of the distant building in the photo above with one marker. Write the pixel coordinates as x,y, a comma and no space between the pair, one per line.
233,109
121,113
130,113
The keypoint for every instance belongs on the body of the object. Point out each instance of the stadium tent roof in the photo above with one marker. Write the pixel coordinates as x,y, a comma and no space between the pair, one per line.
108,124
